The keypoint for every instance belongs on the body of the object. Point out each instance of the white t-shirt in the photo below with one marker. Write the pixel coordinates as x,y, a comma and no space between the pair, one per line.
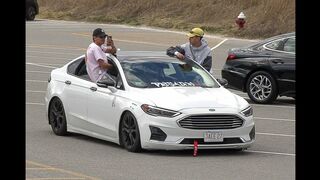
94,52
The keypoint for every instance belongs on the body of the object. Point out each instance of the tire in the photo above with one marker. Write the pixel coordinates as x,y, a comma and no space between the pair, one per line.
262,88
57,117
31,13
129,133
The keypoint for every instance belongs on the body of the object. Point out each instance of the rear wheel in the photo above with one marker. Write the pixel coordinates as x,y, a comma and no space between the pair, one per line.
261,87
129,133
57,117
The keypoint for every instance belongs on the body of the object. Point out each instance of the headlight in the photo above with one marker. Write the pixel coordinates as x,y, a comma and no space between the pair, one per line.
156,111
247,111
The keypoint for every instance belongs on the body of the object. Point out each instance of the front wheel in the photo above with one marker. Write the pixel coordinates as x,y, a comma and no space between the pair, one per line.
57,117
129,133
261,87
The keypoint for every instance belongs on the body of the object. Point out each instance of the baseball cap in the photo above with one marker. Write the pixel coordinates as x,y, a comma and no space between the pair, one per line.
196,32
99,32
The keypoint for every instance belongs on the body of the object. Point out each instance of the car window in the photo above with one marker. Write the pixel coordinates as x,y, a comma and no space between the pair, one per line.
290,45
156,74
273,45
78,68
73,66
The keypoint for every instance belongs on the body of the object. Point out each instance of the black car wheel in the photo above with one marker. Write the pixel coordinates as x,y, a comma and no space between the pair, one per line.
129,133
31,13
57,117
261,87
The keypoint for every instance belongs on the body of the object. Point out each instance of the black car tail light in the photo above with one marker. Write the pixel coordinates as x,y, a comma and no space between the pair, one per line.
231,57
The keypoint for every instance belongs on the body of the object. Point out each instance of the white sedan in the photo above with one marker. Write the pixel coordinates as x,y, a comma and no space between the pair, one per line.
149,102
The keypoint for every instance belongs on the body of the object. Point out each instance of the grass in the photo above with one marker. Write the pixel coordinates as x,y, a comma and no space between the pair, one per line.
265,18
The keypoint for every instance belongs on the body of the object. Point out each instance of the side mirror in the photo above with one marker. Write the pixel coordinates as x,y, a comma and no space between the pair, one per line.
223,82
106,81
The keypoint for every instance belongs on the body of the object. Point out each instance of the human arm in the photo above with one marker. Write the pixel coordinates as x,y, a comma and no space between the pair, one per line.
207,63
103,64
176,51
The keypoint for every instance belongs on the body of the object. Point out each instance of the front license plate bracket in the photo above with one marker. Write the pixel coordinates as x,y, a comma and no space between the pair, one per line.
212,136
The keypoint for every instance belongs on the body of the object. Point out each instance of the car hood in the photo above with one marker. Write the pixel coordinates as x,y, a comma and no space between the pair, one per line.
178,98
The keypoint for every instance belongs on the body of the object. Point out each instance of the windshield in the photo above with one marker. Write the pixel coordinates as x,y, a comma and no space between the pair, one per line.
157,74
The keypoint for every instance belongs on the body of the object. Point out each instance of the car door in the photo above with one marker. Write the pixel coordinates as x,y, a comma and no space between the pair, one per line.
75,94
100,101
102,111
283,64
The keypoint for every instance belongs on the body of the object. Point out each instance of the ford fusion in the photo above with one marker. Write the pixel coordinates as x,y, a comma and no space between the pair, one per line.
148,102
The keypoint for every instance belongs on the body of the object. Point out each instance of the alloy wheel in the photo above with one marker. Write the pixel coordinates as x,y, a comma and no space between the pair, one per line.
57,117
260,87
130,136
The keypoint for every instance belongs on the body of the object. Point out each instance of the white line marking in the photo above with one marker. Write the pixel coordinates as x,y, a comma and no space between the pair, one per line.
41,104
55,47
49,57
36,81
47,52
129,41
268,152
34,64
46,64
58,178
40,168
35,91
271,134
219,44
37,72
293,107
275,119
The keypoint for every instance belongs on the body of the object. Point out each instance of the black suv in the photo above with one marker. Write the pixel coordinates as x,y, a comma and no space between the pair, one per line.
32,9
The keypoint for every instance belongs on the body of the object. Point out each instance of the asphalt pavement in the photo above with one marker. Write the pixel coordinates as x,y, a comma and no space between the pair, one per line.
51,44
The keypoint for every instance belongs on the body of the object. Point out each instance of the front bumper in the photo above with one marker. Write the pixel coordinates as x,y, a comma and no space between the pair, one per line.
178,138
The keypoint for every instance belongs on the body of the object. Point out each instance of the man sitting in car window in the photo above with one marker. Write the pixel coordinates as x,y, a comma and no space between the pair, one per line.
196,49
96,59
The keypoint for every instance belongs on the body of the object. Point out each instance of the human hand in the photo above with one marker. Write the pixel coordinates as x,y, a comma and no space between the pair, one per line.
110,41
179,56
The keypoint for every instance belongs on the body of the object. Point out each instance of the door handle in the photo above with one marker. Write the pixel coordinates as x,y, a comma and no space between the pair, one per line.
67,82
93,88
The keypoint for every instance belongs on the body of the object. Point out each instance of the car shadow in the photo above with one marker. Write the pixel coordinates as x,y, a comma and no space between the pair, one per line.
92,140
36,20
279,102
176,153
201,152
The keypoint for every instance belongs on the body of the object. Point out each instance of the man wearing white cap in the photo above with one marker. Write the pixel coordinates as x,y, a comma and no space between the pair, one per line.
196,49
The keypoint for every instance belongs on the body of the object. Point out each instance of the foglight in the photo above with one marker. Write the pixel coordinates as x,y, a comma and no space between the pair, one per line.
156,111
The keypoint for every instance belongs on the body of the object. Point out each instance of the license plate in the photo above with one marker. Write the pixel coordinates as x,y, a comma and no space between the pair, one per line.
213,136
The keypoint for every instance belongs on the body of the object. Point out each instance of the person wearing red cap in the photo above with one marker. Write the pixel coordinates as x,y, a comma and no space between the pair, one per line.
196,49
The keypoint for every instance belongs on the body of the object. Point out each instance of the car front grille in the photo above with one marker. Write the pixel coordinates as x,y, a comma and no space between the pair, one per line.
211,122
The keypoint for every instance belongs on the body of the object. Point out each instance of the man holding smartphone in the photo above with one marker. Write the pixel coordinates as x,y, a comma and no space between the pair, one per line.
96,59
